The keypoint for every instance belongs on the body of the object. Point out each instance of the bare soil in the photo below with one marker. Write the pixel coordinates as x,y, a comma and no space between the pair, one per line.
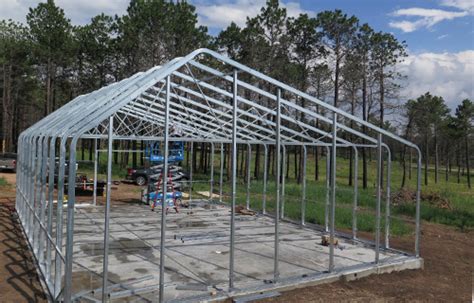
19,280
448,275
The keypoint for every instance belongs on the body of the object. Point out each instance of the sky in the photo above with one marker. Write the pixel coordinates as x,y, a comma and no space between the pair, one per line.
439,33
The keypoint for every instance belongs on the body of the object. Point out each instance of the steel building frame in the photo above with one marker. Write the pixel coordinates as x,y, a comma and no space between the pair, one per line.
211,98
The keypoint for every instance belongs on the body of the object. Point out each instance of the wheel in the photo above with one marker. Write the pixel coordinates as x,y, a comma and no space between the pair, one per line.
140,180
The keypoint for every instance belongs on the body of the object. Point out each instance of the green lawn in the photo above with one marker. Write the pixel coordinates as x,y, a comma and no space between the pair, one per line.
461,198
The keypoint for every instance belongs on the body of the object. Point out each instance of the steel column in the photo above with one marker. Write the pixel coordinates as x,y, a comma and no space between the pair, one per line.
356,194
211,190
191,155
70,221
378,197
333,193
265,175
95,172
417,215
276,272
165,189
233,180
387,199
249,154
221,176
105,271
283,178
303,190
328,188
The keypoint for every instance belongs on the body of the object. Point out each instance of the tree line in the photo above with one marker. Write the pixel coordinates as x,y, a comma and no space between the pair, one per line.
332,56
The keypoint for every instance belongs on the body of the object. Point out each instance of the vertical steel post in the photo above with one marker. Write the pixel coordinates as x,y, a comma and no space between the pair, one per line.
105,264
265,175
43,232
59,217
417,216
35,193
283,179
221,176
303,190
333,192
165,189
70,222
328,188
191,155
387,201
378,197
95,173
233,180
51,172
249,154
211,190
276,272
356,193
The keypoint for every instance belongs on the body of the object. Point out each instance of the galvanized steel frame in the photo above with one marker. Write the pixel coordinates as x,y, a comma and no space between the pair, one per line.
144,107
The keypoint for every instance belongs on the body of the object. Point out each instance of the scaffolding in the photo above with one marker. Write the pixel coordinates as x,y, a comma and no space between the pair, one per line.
212,99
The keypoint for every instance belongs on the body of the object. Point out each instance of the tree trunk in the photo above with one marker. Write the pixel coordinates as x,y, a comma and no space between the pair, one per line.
7,109
364,129
458,163
316,164
256,171
447,165
404,165
436,155
467,162
134,156
426,159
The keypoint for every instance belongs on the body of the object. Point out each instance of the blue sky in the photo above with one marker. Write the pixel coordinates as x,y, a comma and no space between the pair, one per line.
439,33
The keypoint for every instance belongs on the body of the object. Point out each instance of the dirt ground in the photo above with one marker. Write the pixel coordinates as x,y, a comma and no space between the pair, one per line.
448,274
18,277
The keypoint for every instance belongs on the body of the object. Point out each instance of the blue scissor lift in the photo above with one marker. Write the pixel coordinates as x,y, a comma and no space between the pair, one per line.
155,157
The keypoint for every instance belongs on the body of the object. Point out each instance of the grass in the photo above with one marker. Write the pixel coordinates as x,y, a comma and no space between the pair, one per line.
461,198
3,182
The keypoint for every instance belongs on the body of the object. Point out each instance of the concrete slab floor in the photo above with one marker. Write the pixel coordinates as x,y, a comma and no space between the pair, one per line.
197,254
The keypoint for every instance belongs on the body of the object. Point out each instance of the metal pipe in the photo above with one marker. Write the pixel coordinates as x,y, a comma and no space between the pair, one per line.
105,271
70,221
265,175
191,155
283,178
221,176
164,173
51,173
303,190
249,154
333,192
387,199
95,173
417,215
356,194
328,189
233,181
211,190
378,198
276,272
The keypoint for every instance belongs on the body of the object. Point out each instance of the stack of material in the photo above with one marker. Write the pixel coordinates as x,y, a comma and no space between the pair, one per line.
239,209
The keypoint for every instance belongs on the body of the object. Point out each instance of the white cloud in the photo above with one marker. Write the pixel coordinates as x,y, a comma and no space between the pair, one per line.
442,37
220,14
426,18
464,5
450,75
